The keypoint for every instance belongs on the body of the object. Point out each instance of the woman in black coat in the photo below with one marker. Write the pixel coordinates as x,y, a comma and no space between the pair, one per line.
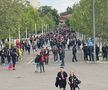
37,61
13,55
2,57
73,81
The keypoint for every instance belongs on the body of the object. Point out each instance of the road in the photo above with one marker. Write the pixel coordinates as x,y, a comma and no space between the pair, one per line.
93,76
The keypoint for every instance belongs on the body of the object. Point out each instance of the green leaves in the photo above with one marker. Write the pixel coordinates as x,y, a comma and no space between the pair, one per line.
47,10
15,14
82,18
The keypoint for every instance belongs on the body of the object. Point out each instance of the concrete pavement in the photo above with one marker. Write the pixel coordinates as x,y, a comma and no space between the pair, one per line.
93,76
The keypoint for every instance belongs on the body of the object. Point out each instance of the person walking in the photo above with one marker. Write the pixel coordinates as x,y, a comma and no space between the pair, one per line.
104,52
2,57
37,61
74,51
97,52
62,56
13,55
55,53
79,43
85,51
61,79
43,51
28,48
41,63
73,81
9,56
46,55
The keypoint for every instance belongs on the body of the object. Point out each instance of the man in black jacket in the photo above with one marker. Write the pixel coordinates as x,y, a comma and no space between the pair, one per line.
85,51
37,61
104,52
61,77
74,51
97,52
46,55
13,55
2,56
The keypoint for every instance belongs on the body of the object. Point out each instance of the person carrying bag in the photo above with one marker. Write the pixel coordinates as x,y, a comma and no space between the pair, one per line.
73,81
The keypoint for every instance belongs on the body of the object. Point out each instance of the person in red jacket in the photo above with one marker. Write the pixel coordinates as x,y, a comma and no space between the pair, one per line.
43,51
42,59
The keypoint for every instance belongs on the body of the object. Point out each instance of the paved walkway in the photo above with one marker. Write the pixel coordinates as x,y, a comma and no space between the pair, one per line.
93,76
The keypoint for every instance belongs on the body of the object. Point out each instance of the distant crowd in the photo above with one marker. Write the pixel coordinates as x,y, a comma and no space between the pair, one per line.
59,40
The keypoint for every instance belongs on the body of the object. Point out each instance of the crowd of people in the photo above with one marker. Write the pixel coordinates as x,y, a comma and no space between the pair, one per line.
89,52
58,42
11,55
59,39
42,58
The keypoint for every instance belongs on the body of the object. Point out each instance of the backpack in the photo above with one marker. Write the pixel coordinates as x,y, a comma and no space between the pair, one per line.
37,59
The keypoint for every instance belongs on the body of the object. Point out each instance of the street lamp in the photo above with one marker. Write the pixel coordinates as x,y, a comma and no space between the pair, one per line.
26,33
42,28
94,29
9,40
19,34
35,29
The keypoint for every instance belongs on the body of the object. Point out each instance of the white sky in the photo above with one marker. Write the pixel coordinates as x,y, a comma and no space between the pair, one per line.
60,5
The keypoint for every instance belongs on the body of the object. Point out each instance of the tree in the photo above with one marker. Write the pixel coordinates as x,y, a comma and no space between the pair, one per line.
82,19
69,10
15,15
47,9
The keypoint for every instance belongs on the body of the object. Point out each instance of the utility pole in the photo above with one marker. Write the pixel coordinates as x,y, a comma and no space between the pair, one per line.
9,40
19,33
46,28
42,29
26,33
35,29
94,30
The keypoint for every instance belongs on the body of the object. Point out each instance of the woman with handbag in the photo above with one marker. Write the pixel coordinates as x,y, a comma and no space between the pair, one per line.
73,81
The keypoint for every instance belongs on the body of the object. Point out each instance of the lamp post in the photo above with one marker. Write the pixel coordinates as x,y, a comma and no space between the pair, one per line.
42,29
19,34
9,40
26,33
46,28
94,30
35,29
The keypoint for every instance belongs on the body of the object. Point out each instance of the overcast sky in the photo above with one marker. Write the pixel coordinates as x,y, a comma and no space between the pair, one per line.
60,5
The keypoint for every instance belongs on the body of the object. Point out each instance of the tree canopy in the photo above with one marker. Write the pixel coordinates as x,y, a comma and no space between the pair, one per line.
15,15
82,18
